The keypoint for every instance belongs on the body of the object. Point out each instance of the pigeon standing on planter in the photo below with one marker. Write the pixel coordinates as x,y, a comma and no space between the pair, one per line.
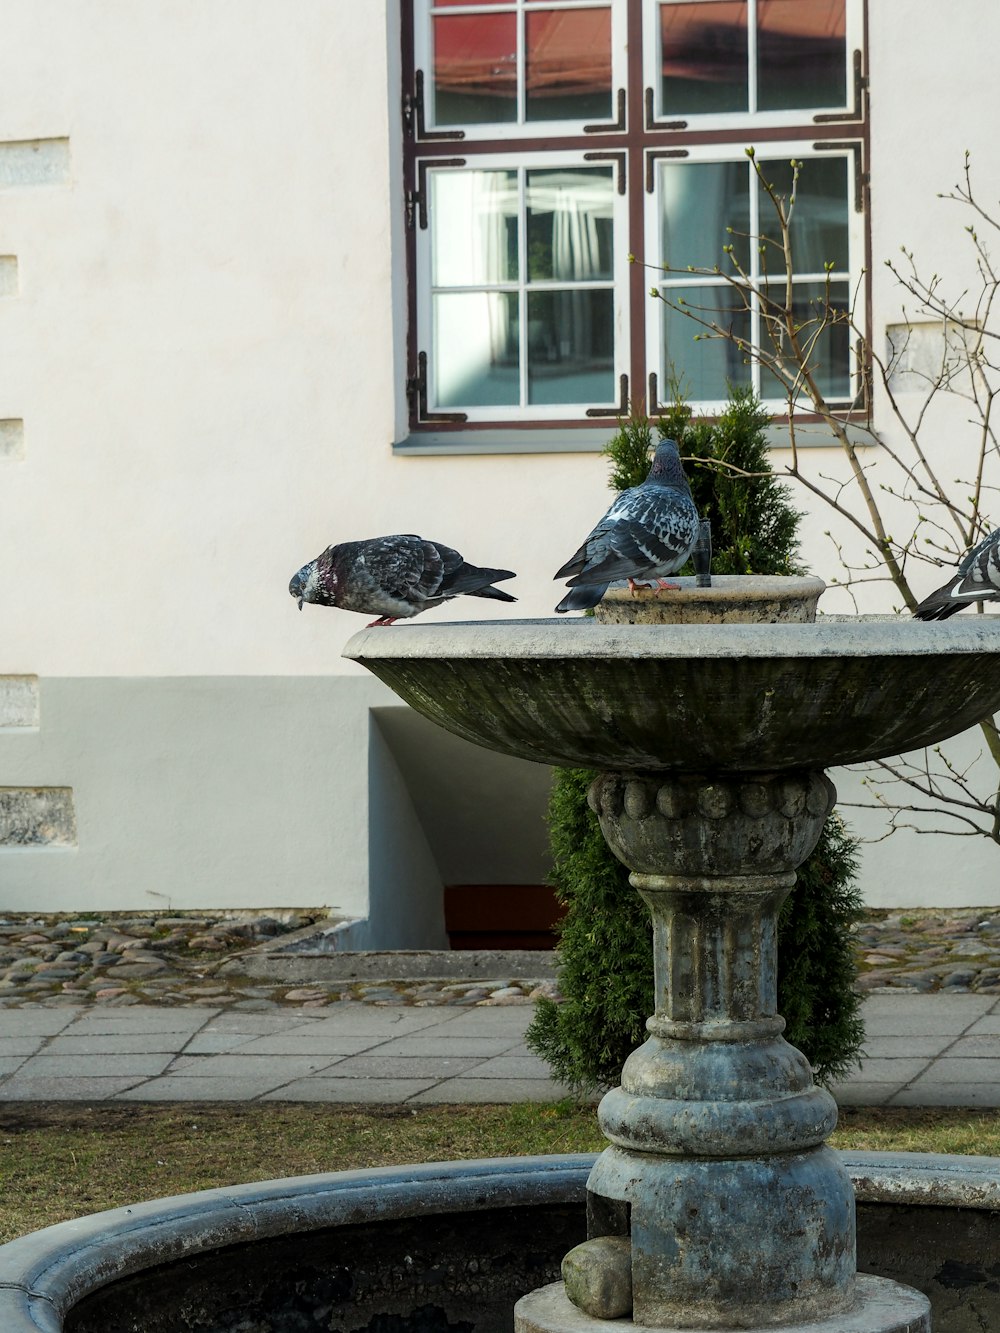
648,533
977,579
392,577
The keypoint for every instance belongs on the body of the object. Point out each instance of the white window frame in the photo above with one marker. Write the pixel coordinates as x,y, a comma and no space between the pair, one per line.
618,282
764,152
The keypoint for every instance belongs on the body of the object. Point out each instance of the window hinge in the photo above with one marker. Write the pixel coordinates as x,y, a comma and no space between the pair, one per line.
416,385
416,393
413,200
414,110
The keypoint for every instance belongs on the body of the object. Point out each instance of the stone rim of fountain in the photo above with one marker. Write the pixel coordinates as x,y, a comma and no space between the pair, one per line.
45,1274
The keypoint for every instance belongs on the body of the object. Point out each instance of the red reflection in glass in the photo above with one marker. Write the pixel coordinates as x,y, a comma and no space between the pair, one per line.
475,68
801,53
568,66
704,53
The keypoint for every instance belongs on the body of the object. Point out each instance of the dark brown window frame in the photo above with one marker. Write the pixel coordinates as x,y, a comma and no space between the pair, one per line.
632,146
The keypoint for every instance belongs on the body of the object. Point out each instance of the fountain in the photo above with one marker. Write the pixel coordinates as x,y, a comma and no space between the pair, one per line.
716,1204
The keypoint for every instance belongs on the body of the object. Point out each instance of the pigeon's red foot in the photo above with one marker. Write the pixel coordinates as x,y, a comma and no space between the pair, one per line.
634,587
667,585
382,620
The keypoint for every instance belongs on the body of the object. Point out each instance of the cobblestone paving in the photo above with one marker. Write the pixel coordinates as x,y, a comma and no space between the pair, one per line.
930,951
58,961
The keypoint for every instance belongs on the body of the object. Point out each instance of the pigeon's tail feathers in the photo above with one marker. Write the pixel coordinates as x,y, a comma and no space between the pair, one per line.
943,603
574,565
472,580
582,598
497,594
937,610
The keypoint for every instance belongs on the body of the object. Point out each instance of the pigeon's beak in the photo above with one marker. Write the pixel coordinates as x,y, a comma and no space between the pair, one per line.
301,600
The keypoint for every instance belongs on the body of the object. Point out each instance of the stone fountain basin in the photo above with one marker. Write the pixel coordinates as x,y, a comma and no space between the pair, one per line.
698,698
447,1245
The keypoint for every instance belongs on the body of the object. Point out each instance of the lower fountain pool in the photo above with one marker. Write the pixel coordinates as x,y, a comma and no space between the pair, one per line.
439,1247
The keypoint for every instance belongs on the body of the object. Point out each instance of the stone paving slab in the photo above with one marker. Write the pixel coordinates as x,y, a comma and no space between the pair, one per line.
948,1094
239,1066
377,1065
21,1045
325,1041
366,1091
896,1071
171,1088
920,1016
109,1022
485,1090
94,1089
46,1066
103,1044
859,1093
25,1022
889,1047
961,1070
443,1043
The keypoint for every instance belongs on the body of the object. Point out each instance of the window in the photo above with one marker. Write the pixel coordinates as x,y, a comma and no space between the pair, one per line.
550,143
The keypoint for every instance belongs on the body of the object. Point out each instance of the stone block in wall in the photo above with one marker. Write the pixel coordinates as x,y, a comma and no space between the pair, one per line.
18,701
37,817
34,162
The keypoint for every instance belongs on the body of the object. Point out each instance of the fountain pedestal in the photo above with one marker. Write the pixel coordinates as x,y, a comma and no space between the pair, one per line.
738,1214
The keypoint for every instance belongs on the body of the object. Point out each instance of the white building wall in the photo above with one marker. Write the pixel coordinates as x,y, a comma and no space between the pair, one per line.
201,366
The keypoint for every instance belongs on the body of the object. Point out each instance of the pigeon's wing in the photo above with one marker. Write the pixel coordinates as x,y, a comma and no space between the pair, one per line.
977,579
654,535
405,566
980,568
595,545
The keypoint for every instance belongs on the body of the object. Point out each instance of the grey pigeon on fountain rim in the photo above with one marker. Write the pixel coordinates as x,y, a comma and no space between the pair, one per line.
393,577
977,579
647,534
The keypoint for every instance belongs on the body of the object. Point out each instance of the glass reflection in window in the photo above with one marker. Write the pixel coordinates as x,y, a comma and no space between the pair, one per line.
570,229
476,349
568,64
474,227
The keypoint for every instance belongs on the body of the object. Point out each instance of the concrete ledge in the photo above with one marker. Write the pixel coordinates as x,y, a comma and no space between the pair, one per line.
395,965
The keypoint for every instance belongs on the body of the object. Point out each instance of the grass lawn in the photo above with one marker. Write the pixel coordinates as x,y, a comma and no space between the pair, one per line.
58,1160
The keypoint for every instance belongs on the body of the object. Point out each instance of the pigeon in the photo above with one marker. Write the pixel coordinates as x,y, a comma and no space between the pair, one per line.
393,577
648,533
977,579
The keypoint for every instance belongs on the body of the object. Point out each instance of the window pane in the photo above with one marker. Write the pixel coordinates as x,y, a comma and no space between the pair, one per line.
475,69
704,55
473,218
823,333
475,361
698,201
819,215
705,368
570,230
568,64
801,54
571,347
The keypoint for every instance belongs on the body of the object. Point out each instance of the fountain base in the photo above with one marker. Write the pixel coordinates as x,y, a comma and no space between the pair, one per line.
881,1306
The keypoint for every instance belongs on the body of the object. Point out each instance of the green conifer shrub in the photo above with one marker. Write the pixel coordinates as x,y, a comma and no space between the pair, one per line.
605,948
